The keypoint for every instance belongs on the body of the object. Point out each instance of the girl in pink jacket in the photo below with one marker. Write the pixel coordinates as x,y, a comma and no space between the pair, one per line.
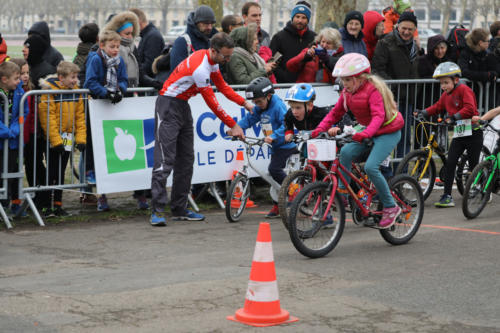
372,104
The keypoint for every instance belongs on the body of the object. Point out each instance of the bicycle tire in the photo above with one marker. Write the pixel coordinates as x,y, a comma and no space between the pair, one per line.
429,178
475,186
463,170
300,178
408,190
312,237
237,197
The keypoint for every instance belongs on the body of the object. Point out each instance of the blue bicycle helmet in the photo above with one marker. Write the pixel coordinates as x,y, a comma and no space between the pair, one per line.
300,92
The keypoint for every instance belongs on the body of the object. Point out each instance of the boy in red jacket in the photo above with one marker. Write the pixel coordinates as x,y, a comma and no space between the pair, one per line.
459,102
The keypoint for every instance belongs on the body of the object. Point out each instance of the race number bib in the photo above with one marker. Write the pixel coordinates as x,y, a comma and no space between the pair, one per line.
267,129
67,141
462,128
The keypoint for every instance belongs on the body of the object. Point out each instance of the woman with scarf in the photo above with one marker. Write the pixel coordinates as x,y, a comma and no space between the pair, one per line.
245,64
316,63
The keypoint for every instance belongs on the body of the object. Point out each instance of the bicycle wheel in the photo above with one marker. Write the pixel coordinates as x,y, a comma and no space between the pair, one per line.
413,164
237,197
290,187
477,189
464,171
313,236
408,195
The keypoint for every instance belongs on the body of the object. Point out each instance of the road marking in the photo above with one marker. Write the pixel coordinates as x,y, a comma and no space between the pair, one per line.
460,229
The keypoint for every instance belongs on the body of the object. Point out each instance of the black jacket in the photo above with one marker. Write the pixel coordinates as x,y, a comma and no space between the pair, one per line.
289,43
149,48
82,52
477,66
39,67
310,121
51,55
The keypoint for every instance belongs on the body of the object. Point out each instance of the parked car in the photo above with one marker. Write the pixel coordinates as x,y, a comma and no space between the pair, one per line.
174,32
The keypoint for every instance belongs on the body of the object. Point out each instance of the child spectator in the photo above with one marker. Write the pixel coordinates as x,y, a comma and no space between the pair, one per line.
459,101
316,63
63,121
270,111
11,87
303,114
106,77
88,35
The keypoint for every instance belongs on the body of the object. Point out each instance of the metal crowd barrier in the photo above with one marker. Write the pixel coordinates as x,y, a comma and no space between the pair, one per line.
4,102
410,94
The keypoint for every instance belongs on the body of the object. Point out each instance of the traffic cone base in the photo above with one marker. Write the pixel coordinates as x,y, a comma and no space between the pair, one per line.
262,305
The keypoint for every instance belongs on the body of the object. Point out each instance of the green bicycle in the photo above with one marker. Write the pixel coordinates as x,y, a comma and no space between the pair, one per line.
483,181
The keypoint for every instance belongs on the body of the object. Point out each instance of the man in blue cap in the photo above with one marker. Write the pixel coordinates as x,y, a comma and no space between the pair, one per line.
290,41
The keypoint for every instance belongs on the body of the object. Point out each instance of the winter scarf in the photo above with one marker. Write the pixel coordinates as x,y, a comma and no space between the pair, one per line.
252,57
131,64
413,48
111,74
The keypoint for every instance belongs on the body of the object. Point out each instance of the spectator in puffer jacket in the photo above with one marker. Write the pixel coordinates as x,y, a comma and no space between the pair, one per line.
292,40
245,64
51,55
316,63
352,36
372,31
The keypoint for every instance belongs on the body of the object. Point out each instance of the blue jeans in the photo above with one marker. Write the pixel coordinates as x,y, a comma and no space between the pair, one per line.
383,145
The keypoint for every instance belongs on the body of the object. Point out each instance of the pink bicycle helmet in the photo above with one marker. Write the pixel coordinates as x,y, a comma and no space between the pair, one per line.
351,64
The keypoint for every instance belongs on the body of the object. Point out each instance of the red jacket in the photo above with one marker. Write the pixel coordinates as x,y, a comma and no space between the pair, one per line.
367,106
307,69
372,18
460,104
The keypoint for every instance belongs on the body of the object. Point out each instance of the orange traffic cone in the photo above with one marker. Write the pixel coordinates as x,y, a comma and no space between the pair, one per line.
235,203
262,304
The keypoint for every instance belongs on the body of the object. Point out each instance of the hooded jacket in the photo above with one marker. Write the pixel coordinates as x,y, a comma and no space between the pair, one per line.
66,113
476,65
82,52
11,132
199,41
367,106
289,43
245,64
51,55
372,18
274,116
3,50
39,67
353,44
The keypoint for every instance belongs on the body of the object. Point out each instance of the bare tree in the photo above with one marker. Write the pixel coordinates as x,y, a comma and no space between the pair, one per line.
163,6
463,8
446,6
332,10
430,8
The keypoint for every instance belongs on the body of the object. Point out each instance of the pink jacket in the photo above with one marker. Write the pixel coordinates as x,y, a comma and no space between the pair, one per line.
367,105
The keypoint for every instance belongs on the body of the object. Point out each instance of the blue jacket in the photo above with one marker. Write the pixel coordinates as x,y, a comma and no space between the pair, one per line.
96,75
12,132
199,41
352,44
273,115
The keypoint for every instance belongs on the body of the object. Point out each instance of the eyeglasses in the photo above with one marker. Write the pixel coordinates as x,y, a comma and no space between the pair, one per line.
225,57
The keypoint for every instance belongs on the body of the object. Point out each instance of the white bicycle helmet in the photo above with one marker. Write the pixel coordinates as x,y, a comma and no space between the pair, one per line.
447,69
351,64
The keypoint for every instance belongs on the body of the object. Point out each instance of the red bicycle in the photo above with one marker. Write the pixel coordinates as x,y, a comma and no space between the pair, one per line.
317,215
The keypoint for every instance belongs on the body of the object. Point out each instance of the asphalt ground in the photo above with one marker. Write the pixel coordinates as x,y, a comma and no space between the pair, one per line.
126,276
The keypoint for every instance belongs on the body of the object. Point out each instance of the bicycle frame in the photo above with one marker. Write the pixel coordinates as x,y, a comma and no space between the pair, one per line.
492,175
431,147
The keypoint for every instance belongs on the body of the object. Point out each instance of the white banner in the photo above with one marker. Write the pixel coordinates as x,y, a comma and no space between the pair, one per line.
123,141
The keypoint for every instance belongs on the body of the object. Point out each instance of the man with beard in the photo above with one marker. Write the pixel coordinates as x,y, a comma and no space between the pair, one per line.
290,41
200,28
174,135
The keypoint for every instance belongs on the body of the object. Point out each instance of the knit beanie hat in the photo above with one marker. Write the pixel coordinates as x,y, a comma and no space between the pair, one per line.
401,5
408,16
302,7
354,15
204,14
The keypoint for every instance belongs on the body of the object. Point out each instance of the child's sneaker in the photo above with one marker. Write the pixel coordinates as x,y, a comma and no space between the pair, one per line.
274,212
48,212
102,204
90,176
142,203
60,212
389,216
445,201
15,208
158,219
189,216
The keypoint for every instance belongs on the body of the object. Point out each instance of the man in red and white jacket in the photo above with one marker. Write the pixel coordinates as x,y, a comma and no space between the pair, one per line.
174,125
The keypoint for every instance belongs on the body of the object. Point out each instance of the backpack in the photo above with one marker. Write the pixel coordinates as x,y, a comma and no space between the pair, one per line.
162,62
456,40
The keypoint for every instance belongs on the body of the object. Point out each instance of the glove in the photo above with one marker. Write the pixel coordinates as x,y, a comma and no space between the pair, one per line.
59,149
492,76
157,84
80,146
110,95
118,97
358,137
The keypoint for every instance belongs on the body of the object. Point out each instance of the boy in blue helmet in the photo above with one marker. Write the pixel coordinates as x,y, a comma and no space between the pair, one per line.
270,111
